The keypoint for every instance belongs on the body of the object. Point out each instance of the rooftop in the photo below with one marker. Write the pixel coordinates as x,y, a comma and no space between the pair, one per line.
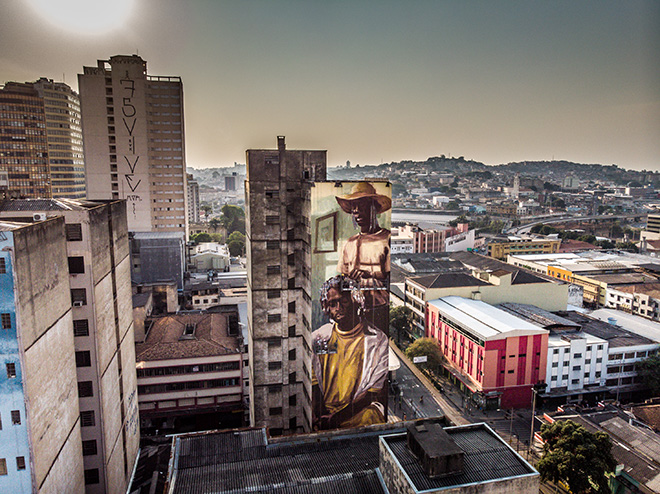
478,262
447,280
631,322
337,462
484,320
188,335
616,336
650,289
36,205
538,316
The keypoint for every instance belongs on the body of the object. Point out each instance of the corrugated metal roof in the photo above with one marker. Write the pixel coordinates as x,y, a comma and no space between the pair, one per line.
483,320
487,458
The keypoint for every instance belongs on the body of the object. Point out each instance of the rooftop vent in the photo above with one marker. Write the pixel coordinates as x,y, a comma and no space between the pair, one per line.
189,331
437,452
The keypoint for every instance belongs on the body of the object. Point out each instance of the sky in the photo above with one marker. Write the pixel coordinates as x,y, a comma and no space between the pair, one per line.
374,81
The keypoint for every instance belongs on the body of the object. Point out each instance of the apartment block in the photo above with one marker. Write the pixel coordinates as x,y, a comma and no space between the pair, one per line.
24,168
66,160
40,424
97,274
134,142
277,197
193,200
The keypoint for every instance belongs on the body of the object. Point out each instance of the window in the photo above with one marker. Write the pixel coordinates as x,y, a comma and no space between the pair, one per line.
11,370
292,307
555,364
272,219
274,317
78,297
598,374
5,317
80,327
510,372
85,389
291,259
16,417
555,351
91,476
291,283
600,347
3,466
577,355
76,265
599,360
275,388
587,361
553,378
292,354
273,269
274,365
273,294
83,359
3,266
89,448
293,423
292,331
274,342
292,378
293,400
575,381
577,367
87,419
273,244
564,377
630,355
615,356
271,193
73,232
20,463
275,411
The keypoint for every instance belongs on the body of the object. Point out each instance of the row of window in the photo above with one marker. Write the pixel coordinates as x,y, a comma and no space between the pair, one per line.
182,386
188,369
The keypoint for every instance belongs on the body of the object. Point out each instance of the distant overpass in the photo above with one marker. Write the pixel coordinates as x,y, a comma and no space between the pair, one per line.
545,220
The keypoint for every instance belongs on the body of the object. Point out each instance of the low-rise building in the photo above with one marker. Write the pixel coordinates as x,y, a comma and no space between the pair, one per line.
519,245
209,256
496,357
404,457
641,299
192,364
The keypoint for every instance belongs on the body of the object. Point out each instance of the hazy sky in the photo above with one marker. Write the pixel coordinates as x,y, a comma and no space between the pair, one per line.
376,81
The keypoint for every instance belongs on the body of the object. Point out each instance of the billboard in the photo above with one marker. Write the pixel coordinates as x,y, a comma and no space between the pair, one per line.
350,280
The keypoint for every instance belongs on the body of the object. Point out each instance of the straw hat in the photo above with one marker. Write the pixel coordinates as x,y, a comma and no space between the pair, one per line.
364,190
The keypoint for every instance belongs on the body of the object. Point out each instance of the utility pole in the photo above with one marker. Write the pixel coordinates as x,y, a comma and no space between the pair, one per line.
531,434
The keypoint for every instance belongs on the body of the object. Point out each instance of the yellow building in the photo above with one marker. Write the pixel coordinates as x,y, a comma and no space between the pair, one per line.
500,250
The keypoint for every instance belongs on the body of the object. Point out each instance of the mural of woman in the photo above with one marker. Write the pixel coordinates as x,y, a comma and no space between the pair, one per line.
365,256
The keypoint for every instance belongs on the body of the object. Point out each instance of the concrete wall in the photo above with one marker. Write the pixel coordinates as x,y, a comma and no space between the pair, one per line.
44,323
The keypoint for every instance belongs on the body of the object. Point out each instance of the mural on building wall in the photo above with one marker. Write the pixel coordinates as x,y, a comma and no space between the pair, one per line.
350,291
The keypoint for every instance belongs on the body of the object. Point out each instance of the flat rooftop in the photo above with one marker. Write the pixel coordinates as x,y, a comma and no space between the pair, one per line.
615,335
487,458
483,320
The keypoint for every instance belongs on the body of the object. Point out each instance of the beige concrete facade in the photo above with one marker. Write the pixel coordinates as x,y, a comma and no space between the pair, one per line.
99,298
134,142
277,197
45,367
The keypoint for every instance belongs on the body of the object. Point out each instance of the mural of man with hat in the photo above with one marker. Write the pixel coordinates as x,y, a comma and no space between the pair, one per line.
366,256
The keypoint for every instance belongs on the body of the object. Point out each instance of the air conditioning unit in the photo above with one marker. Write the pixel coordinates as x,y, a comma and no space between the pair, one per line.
78,303
39,217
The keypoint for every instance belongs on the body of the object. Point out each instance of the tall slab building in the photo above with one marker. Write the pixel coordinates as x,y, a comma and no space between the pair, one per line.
134,142
277,198
318,294
95,317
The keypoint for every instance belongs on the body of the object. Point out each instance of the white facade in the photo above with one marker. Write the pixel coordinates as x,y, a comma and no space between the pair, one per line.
575,361
460,242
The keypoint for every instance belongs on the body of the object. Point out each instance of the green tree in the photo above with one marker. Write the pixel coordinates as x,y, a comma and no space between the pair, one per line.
215,223
401,319
233,219
236,243
537,228
201,237
580,458
649,371
428,347
629,246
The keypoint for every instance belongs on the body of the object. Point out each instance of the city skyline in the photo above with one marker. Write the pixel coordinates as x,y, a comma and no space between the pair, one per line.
377,82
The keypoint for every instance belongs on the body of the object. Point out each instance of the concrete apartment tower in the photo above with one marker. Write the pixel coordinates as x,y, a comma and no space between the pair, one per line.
40,433
99,328
134,142
193,200
277,198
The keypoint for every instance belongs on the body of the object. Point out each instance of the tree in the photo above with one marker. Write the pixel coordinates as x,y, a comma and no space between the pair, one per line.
428,347
233,219
236,244
401,319
649,371
629,246
198,238
577,456
215,223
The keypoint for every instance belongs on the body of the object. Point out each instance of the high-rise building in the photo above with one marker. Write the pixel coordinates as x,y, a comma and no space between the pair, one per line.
40,433
193,200
23,143
277,198
98,324
42,151
134,142
64,134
